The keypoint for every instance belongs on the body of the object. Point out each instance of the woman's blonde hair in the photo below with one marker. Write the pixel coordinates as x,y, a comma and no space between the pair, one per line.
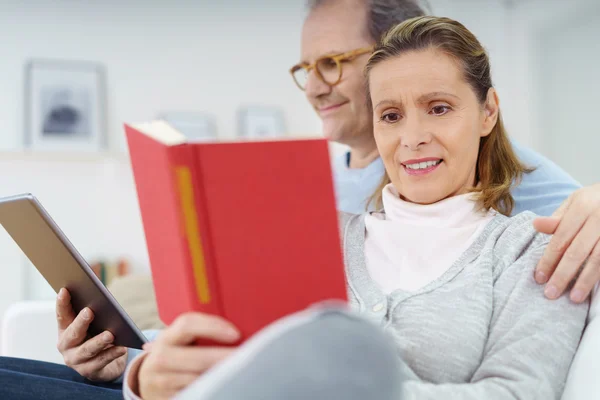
498,168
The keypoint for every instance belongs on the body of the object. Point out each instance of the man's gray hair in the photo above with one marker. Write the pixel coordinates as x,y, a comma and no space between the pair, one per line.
384,14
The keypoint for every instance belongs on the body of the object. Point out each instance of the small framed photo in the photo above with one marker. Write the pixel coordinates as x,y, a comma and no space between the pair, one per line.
195,126
65,106
261,122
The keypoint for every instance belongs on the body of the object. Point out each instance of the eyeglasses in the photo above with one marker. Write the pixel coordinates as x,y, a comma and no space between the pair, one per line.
328,68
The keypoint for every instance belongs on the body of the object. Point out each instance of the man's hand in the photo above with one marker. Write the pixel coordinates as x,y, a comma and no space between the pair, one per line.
95,358
174,360
575,227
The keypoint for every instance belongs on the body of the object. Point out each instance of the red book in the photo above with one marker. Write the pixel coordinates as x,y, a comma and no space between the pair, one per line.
245,230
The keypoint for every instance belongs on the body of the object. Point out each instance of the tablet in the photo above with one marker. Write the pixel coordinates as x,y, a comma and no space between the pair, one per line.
49,250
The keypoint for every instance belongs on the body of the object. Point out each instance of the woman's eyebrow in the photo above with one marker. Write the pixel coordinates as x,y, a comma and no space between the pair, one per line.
388,102
422,99
427,97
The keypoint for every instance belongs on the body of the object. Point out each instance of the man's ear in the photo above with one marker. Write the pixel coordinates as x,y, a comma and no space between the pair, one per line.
491,110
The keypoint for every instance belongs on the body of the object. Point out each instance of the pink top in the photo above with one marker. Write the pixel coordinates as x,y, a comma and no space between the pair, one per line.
413,244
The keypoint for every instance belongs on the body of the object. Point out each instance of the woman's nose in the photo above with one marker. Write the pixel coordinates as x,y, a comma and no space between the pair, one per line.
415,134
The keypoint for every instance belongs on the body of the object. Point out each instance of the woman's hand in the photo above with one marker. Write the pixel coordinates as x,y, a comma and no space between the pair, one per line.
95,359
174,360
575,227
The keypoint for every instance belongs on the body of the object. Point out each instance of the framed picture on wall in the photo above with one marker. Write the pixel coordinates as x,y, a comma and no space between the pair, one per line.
261,122
65,106
195,126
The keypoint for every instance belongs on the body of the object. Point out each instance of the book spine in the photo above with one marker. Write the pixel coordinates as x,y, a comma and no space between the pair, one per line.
193,212
166,187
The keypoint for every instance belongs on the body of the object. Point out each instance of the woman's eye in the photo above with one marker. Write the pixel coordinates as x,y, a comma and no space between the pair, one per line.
391,117
440,110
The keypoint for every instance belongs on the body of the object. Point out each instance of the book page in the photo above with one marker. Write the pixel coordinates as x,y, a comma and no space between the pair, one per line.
162,132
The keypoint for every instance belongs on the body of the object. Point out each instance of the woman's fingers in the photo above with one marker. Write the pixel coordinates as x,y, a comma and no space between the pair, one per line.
192,359
192,326
172,364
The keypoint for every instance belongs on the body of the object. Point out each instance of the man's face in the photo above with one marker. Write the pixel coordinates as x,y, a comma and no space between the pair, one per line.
333,28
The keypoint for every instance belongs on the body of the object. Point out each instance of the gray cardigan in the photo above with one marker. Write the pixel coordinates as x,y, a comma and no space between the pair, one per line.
483,330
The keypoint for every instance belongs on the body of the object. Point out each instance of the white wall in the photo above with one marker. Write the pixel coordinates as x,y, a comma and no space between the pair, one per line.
159,56
558,59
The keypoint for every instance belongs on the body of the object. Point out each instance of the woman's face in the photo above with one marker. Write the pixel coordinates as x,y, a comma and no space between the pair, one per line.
428,124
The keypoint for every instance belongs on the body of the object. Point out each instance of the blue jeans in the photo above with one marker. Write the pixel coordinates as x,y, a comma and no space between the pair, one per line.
22,379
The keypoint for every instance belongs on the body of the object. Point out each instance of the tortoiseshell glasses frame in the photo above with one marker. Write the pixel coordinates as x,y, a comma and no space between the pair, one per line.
328,68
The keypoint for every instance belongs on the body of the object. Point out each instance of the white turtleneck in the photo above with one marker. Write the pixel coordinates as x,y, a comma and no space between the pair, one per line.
412,244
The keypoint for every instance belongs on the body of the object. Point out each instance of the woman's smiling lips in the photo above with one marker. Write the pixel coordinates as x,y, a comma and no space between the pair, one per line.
421,166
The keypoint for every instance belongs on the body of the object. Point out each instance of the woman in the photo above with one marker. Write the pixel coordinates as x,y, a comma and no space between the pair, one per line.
450,291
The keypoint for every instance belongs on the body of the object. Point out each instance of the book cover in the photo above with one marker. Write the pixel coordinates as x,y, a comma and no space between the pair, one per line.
246,230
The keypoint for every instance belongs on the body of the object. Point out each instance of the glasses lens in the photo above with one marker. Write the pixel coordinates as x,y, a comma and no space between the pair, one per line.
300,76
330,70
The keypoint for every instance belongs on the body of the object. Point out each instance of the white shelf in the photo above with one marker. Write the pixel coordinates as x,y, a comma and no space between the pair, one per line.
47,156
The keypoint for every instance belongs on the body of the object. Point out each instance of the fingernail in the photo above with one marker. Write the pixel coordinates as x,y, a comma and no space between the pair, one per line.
577,295
551,292
540,277
107,337
86,313
232,333
61,294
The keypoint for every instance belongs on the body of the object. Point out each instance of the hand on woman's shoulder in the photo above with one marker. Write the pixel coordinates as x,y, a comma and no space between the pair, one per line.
516,238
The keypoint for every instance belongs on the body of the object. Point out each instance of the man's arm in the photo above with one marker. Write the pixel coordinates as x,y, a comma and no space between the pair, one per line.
530,345
543,190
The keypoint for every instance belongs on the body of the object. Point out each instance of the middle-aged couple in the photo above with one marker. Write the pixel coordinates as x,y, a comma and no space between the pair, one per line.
456,290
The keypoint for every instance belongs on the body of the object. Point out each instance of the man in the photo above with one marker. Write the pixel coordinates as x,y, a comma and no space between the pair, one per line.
349,28
336,42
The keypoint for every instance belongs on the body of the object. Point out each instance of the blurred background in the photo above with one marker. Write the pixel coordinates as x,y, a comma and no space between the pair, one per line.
213,63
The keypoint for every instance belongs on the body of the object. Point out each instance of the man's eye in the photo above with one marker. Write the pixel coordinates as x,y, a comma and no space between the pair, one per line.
440,110
327,64
391,117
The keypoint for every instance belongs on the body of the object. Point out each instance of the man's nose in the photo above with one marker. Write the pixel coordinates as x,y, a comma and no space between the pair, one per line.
315,87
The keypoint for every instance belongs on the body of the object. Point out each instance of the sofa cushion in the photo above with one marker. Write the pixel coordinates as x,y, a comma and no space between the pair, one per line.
135,293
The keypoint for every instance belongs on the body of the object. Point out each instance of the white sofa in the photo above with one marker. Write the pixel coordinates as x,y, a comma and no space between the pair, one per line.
29,331
583,381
